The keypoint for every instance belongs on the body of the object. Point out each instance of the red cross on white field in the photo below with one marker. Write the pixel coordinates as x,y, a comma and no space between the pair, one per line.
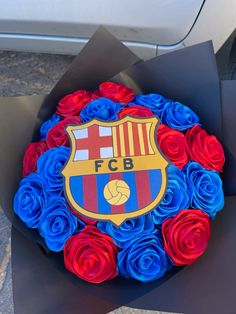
93,143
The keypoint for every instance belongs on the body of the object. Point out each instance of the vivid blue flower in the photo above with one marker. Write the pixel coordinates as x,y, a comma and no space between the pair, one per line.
57,224
177,196
154,102
47,125
30,200
123,234
102,109
179,117
206,189
49,166
144,259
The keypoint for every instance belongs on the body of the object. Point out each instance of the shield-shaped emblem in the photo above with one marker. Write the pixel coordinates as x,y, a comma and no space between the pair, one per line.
115,170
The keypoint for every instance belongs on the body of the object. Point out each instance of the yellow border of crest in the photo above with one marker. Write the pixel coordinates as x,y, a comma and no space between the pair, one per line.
156,161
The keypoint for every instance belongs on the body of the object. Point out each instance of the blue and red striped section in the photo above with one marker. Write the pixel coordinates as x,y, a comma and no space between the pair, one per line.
87,191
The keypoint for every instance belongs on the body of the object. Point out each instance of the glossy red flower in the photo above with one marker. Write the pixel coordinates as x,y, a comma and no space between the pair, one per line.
173,145
186,236
72,104
91,255
96,94
57,135
135,110
32,153
116,92
86,220
205,149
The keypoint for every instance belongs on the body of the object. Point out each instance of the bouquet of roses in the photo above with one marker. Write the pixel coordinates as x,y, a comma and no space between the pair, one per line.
176,232
117,173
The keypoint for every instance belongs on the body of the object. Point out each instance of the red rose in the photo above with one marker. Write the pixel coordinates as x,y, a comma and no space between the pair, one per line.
86,220
91,255
96,94
116,92
205,149
135,110
57,135
186,236
72,104
173,145
32,153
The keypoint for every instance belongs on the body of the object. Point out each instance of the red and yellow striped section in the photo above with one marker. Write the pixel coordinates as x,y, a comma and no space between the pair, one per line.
132,139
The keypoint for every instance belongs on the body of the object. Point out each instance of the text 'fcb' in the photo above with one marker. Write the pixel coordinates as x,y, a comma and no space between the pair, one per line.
113,165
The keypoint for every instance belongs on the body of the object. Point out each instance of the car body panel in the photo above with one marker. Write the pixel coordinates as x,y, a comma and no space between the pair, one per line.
216,22
151,21
63,45
148,28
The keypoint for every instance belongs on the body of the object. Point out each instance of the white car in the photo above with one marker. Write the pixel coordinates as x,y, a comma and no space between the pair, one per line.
148,27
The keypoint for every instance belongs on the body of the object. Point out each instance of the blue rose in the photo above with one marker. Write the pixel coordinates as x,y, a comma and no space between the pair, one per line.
128,230
154,102
57,224
47,125
30,200
177,196
49,166
179,117
144,259
102,109
206,189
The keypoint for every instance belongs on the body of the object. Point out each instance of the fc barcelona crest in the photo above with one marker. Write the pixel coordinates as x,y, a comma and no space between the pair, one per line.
115,170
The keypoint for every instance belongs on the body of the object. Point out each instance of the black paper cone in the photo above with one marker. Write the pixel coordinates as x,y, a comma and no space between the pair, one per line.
18,124
188,75
41,284
103,57
228,97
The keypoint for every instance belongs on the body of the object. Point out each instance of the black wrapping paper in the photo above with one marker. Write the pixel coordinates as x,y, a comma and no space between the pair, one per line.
40,282
228,97
188,75
42,286
103,57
